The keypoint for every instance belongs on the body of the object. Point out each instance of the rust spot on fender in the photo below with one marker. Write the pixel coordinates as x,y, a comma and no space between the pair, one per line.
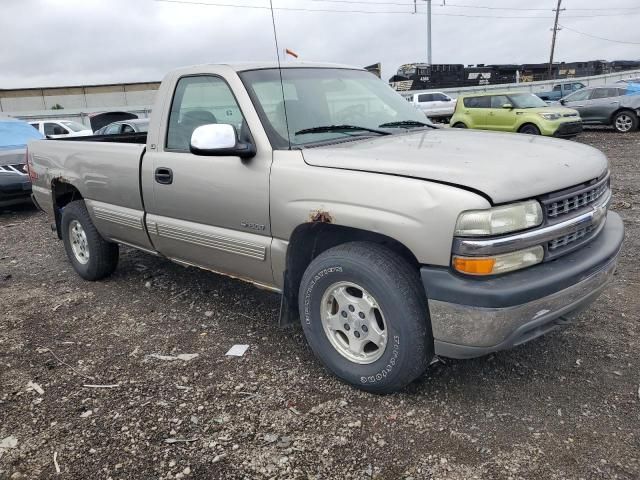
320,216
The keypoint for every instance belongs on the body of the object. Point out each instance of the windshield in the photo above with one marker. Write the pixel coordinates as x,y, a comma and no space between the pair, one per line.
323,97
75,126
527,100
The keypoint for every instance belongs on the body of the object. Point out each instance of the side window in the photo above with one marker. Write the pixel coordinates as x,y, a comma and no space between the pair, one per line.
579,96
477,102
439,97
49,128
127,129
604,93
112,129
35,125
425,97
557,88
497,101
54,129
200,100
577,86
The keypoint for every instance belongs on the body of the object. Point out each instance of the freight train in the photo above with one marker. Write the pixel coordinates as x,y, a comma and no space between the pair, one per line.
421,76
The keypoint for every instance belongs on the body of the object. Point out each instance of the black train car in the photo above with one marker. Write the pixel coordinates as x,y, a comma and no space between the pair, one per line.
420,76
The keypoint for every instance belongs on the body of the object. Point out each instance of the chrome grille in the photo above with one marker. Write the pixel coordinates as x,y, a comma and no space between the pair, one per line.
570,238
16,168
556,207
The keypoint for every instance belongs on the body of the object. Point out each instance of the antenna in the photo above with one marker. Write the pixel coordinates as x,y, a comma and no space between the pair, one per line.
284,104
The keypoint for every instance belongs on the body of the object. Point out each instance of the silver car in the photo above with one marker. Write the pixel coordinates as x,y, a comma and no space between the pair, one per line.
611,105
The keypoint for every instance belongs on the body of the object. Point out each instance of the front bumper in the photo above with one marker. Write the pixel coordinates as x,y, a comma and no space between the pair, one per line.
14,188
472,317
568,129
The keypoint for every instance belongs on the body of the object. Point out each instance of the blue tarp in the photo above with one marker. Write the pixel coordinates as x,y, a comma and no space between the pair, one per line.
633,88
16,133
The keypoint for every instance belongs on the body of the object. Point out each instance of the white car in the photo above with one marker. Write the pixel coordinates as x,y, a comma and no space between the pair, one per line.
61,128
435,105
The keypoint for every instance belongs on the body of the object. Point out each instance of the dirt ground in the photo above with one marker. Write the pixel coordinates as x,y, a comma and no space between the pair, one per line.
564,406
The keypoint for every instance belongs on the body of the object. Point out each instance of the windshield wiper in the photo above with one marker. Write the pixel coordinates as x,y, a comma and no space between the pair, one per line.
406,123
340,128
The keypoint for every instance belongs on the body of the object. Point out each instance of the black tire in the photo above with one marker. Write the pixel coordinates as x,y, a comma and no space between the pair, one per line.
529,129
625,121
398,291
103,255
459,125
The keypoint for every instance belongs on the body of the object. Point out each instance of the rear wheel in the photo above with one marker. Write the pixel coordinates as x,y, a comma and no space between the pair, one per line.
625,121
364,314
529,129
459,125
92,256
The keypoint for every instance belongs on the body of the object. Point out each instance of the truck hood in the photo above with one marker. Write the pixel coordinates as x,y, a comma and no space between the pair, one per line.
503,166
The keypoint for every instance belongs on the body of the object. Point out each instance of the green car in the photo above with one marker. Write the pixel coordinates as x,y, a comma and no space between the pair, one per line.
515,112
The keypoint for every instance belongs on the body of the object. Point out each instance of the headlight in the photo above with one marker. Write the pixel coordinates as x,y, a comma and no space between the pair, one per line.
496,264
550,116
499,220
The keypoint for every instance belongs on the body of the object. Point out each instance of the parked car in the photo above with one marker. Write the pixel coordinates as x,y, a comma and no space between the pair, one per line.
390,239
125,126
607,105
15,186
560,90
515,112
61,128
435,105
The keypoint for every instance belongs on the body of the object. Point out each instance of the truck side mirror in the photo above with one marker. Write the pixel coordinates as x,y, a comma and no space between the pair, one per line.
562,101
219,140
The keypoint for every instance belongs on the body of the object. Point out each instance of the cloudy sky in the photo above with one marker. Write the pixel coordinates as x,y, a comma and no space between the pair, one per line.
72,42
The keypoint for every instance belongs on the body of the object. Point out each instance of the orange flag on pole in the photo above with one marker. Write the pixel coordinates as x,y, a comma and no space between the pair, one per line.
290,52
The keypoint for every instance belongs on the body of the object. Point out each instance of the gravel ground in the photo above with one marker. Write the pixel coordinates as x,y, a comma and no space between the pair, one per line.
564,406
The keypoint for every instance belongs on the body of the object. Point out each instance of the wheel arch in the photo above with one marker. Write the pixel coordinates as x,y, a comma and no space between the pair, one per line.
620,110
62,193
526,123
309,240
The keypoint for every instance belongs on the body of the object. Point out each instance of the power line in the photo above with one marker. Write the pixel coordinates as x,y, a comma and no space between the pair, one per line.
326,10
599,38
484,7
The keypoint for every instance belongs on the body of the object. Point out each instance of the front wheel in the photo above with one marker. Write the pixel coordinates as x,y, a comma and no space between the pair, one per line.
625,122
459,125
529,129
364,314
91,255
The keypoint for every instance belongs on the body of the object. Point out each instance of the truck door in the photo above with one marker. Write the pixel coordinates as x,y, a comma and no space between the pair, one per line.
210,211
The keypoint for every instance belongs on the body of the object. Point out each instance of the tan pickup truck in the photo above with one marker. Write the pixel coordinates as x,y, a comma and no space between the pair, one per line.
392,240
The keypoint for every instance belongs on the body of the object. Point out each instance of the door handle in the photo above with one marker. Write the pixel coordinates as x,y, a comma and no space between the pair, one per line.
578,106
614,103
164,175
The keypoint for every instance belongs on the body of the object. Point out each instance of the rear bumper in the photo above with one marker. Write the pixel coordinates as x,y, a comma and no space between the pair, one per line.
473,317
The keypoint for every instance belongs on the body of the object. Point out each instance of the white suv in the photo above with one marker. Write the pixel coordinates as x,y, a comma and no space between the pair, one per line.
61,128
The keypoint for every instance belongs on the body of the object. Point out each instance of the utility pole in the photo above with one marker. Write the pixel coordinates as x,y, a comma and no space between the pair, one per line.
429,32
553,39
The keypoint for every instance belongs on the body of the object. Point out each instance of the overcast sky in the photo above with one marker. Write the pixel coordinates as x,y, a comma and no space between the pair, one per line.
74,42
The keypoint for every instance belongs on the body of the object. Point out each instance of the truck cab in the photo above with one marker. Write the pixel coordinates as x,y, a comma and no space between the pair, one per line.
560,90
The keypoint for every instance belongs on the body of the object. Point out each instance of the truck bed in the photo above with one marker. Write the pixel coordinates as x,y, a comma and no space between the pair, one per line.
137,137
